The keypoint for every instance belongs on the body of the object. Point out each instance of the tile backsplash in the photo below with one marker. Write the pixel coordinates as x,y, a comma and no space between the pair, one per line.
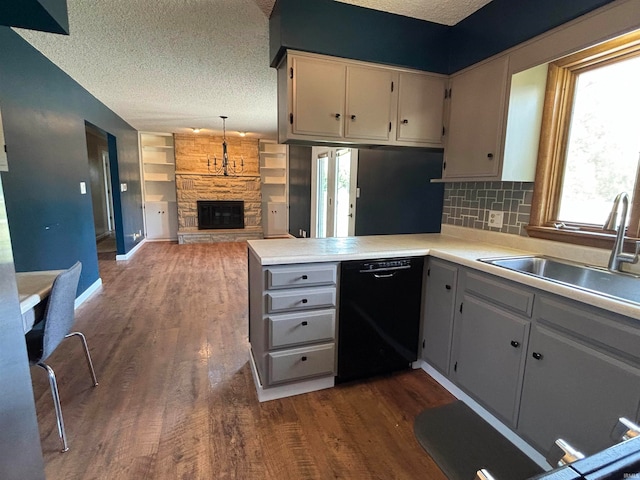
467,204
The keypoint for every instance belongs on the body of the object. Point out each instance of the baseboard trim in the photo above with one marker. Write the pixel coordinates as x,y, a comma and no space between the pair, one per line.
131,253
523,446
94,287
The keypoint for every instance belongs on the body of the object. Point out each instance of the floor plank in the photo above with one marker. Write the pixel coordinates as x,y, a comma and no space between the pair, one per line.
176,400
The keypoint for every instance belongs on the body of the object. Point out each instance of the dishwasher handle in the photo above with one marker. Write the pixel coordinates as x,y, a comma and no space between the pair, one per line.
384,275
385,269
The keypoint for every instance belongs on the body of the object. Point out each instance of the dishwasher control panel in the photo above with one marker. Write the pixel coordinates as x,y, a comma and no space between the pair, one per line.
394,264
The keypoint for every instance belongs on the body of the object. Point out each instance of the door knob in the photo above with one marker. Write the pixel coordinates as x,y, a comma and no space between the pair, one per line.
515,344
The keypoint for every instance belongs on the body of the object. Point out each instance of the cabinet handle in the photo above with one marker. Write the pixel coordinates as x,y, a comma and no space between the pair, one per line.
536,355
405,121
304,300
304,359
304,277
448,287
515,344
490,156
337,116
353,117
305,323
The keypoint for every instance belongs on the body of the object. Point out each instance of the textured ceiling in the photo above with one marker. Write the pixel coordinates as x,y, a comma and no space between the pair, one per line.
447,12
169,65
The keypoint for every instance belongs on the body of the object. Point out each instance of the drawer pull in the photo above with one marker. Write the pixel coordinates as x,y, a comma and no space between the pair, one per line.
304,277
304,300
448,287
515,344
304,359
305,323
536,355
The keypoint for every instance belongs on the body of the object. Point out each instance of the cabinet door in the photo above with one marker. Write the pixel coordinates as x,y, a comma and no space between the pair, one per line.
489,356
574,392
420,108
476,119
368,103
437,322
161,219
277,222
318,97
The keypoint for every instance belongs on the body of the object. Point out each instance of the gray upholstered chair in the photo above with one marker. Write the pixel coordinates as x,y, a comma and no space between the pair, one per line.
54,327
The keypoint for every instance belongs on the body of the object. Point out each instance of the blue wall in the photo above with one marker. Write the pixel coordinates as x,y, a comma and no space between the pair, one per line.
44,113
45,15
502,24
342,30
396,195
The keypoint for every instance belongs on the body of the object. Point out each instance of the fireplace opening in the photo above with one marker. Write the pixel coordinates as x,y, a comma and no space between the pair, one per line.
213,214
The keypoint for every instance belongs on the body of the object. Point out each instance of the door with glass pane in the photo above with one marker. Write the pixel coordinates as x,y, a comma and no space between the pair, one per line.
333,192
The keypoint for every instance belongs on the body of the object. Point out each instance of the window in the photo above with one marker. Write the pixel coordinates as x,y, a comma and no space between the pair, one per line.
590,143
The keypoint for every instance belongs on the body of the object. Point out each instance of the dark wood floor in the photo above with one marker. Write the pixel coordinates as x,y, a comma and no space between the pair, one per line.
176,400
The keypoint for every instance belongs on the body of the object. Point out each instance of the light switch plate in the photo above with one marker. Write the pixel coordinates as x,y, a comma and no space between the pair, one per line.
83,188
495,218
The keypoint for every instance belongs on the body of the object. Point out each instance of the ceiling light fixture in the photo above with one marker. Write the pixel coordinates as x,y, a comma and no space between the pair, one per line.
242,134
225,168
195,130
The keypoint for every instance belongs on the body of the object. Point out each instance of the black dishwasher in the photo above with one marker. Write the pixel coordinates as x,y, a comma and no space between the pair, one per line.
379,316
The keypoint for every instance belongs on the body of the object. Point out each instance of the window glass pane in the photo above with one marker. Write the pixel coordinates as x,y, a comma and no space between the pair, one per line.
604,142
322,200
343,179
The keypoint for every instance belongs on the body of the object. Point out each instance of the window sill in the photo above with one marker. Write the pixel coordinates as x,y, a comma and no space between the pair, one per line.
577,237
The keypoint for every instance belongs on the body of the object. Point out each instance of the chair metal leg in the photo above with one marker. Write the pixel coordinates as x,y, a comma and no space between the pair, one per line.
56,404
86,354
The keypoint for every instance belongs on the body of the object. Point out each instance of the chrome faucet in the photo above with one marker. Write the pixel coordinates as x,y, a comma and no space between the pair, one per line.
617,255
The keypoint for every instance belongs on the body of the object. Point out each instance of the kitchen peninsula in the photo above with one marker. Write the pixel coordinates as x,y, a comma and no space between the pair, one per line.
545,359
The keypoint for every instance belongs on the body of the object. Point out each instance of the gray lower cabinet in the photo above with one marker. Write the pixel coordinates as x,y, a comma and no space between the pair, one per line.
292,321
490,342
582,374
438,313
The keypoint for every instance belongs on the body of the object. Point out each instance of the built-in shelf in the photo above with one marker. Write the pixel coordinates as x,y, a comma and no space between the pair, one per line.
159,185
273,178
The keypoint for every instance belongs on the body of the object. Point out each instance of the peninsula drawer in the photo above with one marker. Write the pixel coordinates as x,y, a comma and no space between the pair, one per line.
301,362
287,276
500,293
300,299
304,327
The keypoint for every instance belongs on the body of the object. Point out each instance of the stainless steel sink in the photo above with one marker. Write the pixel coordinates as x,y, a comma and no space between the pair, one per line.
620,286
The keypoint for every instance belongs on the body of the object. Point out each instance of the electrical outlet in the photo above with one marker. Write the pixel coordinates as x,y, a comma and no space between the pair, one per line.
496,218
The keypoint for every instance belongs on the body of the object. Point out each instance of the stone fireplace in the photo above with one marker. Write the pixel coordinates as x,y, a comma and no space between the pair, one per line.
195,182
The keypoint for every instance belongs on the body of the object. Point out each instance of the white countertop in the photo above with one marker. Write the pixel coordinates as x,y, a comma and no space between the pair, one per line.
465,249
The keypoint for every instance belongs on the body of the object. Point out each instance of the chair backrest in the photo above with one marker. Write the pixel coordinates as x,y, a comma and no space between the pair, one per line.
59,314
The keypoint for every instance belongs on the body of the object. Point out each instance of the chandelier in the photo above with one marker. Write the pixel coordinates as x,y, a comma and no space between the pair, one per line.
226,167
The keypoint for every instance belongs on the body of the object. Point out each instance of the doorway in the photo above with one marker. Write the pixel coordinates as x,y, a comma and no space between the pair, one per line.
101,190
333,196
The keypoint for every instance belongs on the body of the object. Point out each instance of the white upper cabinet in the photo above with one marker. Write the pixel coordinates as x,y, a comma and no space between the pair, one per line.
366,118
318,97
326,99
476,119
420,105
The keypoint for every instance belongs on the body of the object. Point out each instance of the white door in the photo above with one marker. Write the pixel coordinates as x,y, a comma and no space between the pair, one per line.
334,176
